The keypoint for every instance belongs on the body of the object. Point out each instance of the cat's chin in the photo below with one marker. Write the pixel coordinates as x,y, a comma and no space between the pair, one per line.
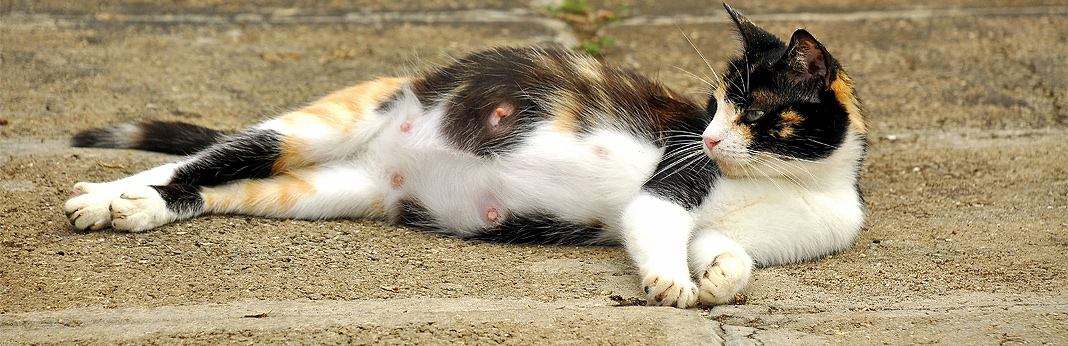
733,171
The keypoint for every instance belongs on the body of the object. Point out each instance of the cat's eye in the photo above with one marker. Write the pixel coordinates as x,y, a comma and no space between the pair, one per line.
752,116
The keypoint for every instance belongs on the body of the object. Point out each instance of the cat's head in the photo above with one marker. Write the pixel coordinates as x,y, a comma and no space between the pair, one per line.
781,107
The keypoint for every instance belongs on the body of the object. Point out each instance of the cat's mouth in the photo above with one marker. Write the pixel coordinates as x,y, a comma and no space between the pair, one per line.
727,165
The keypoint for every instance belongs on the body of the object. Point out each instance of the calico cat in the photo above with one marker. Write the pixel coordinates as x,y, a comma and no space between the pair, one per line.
541,145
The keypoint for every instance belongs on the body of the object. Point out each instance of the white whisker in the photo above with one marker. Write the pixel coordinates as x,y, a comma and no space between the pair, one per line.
710,85
699,53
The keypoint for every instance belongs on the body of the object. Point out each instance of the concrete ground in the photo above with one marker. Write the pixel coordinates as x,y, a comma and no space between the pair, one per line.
966,181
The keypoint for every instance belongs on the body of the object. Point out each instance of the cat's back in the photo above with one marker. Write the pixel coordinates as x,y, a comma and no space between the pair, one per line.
571,91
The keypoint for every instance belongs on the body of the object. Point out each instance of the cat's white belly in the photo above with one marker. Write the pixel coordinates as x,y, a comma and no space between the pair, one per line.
585,179
588,179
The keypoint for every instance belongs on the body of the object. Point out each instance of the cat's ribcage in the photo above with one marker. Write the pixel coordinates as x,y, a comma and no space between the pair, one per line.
398,155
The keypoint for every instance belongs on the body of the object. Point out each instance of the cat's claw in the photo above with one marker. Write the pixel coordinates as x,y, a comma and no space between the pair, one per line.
665,290
140,209
724,279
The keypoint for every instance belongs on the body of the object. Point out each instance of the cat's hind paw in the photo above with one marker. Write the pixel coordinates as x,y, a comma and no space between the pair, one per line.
724,278
666,290
89,208
140,209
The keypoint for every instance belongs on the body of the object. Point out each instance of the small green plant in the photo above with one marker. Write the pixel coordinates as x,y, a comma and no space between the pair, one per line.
597,48
586,21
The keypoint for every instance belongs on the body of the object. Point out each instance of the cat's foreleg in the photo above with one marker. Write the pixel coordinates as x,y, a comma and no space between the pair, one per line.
721,265
655,233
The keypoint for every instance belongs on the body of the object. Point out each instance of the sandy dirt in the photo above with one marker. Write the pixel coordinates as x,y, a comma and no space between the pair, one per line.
966,182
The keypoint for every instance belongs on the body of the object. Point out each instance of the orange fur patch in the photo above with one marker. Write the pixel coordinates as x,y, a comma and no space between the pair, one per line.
340,111
565,118
588,68
290,156
271,196
289,190
790,119
843,91
745,131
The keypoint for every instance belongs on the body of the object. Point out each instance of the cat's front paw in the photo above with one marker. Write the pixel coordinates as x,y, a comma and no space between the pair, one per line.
140,209
90,206
677,291
724,278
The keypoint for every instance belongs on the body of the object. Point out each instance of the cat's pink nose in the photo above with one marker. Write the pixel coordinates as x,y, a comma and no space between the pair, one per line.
710,142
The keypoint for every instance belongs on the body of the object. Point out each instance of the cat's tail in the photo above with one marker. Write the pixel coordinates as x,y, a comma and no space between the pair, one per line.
160,136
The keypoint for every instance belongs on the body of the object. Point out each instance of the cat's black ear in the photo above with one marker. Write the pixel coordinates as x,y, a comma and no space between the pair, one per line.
754,39
809,62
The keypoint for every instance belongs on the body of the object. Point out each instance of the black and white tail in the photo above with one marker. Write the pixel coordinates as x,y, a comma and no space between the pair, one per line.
168,137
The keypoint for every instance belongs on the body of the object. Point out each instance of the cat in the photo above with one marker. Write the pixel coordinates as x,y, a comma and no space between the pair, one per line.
541,145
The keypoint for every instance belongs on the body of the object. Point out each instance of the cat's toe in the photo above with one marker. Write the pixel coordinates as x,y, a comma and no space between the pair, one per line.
89,217
723,279
82,188
666,290
140,209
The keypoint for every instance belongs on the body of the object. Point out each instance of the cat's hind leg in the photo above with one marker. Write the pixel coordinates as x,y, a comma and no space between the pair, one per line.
250,154
336,127
334,191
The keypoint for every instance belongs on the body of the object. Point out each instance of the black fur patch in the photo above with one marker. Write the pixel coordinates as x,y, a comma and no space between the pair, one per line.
545,230
181,199
176,137
515,229
414,214
819,135
685,175
477,85
106,137
250,154
389,102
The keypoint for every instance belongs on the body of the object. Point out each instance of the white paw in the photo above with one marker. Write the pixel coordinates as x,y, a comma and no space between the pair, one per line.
723,279
89,209
677,291
140,209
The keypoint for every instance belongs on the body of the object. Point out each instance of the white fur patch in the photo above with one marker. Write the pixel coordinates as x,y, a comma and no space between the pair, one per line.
787,219
655,233
140,209
90,208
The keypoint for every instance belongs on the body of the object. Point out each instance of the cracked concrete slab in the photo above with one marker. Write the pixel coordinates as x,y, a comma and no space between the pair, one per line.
966,183
130,324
